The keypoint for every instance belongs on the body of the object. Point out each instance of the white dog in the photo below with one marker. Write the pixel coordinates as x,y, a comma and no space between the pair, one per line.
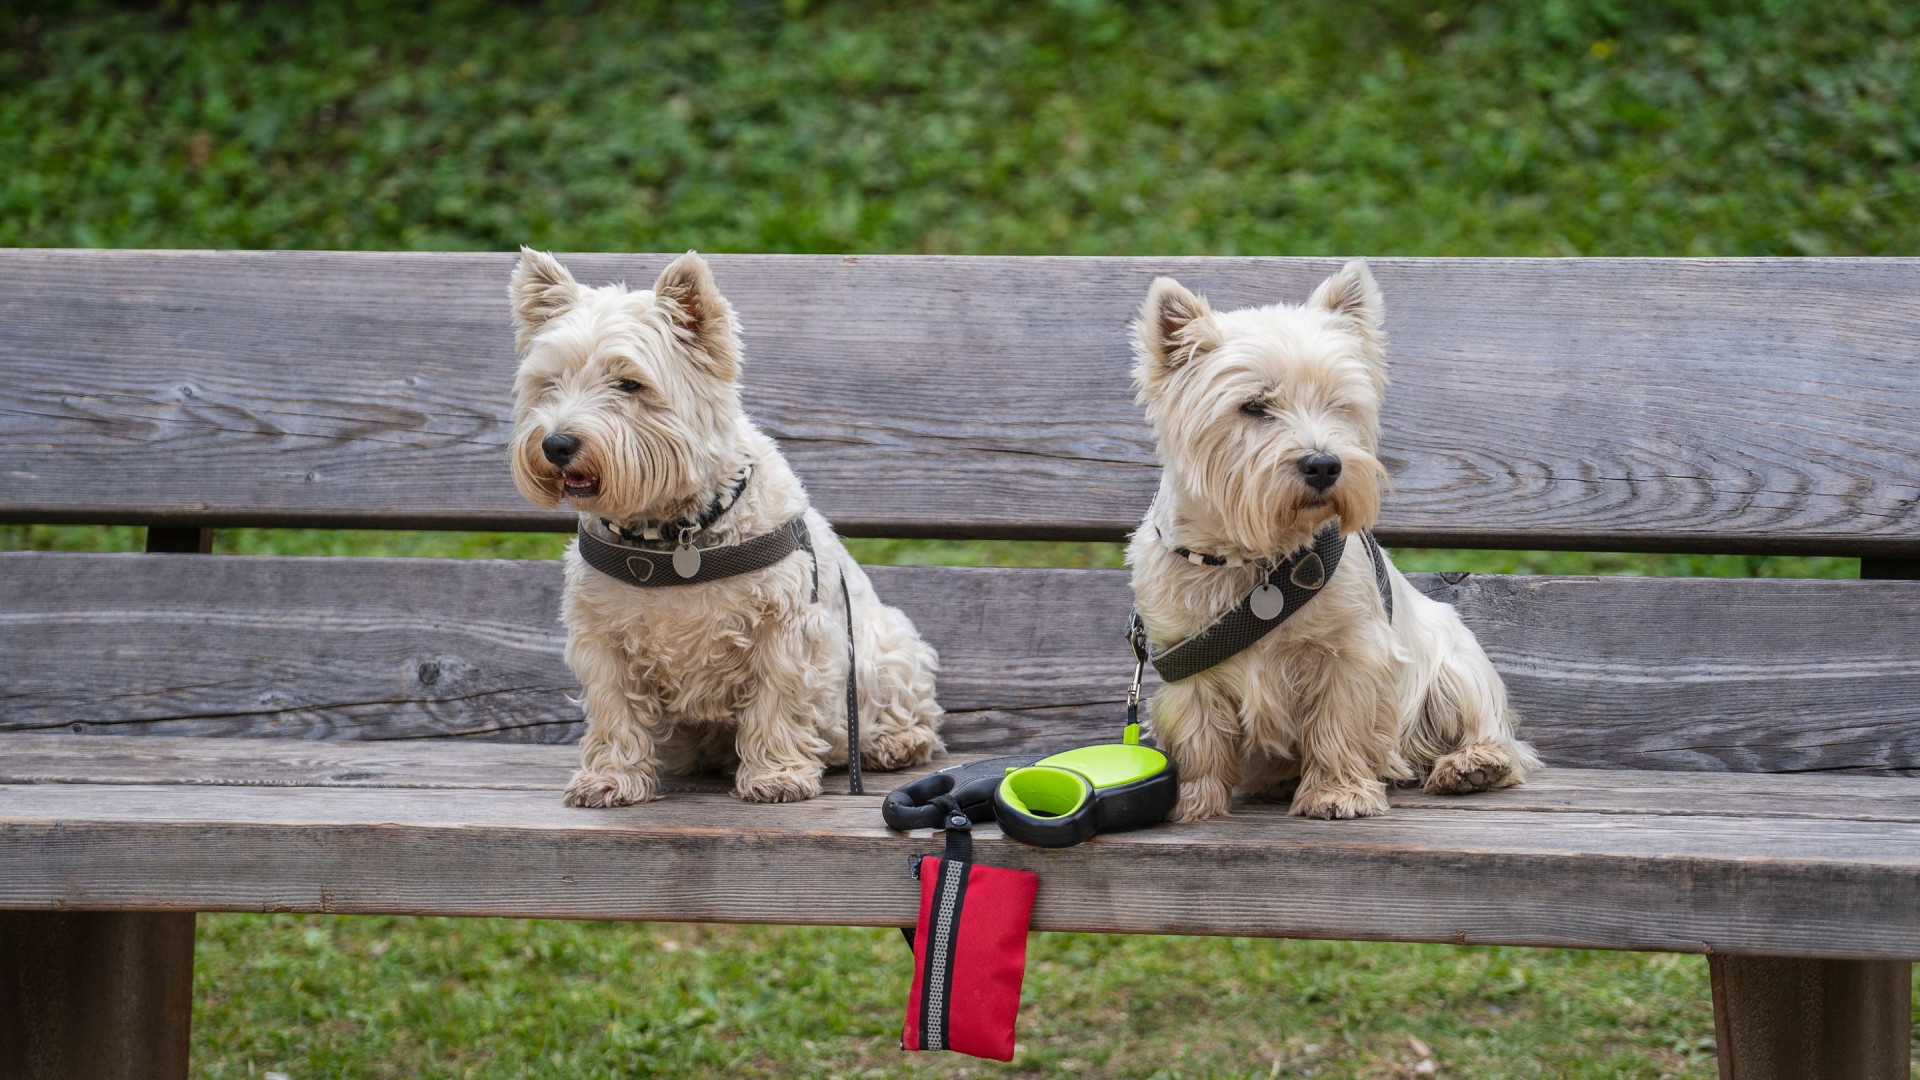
704,605
1268,419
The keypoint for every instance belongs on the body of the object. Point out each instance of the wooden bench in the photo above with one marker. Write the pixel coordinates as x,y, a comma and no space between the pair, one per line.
1733,760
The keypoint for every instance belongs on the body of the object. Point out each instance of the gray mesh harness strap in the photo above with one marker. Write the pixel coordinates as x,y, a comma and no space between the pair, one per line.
648,569
1380,577
1299,578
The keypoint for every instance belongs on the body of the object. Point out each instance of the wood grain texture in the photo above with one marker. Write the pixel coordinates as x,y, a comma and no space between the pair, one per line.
1692,884
433,764
1789,1018
104,995
41,758
1588,404
1665,674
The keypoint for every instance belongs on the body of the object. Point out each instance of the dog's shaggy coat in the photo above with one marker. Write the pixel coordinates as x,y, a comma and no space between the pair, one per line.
746,672
1338,699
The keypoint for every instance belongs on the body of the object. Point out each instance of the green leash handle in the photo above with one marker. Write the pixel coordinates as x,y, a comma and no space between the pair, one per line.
1066,799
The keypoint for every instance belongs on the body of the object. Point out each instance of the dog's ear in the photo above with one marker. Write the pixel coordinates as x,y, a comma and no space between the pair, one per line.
703,317
1174,327
1353,296
541,289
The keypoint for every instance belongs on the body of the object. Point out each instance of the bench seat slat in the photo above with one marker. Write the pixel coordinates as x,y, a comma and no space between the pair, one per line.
467,764
1739,405
34,758
1696,674
1724,884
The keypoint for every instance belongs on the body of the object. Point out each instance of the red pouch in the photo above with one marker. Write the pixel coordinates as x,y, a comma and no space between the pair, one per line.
969,953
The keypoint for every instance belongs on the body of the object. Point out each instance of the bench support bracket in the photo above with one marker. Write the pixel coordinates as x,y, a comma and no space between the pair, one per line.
1789,1018
99,994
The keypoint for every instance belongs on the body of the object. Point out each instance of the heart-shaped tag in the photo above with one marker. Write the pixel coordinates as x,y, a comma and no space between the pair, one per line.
1267,602
1309,572
686,560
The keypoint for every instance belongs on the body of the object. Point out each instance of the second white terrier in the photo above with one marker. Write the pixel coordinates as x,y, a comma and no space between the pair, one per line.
1295,654
704,603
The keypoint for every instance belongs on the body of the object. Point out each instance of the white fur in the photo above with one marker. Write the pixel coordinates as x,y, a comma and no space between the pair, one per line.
1337,700
746,673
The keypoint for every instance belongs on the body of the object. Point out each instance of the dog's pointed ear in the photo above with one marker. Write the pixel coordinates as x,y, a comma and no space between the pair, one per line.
1174,327
702,316
1353,296
541,289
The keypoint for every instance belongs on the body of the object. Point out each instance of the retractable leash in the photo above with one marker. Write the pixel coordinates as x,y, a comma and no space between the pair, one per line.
1067,798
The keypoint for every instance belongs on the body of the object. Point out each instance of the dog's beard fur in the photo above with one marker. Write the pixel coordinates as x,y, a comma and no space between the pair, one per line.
1337,698
747,670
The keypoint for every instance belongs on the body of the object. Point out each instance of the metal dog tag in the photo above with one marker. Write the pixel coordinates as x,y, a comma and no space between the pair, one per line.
1267,602
686,560
1309,572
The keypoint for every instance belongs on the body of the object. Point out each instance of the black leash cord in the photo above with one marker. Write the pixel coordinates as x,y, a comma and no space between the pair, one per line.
854,786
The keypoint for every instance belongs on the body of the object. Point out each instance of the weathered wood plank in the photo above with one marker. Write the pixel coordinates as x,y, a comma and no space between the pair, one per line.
106,995
431,764
1788,1018
40,758
1597,404
1706,673
1702,674
1693,884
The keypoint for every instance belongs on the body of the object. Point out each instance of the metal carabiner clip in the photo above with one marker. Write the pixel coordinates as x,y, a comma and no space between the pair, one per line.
1137,638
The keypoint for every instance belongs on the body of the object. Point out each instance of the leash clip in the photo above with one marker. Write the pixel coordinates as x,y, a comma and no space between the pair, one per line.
1137,638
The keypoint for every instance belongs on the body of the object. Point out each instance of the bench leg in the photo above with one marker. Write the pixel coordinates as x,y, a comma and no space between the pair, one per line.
105,994
1781,1018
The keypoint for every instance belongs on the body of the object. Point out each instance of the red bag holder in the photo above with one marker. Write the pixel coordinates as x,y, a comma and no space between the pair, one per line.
969,950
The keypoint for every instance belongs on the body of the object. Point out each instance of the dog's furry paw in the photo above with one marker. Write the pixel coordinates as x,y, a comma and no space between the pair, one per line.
899,749
1368,799
777,787
1473,768
610,789
1201,800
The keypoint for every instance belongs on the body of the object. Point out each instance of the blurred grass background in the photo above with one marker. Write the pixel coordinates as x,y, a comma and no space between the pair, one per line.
1435,127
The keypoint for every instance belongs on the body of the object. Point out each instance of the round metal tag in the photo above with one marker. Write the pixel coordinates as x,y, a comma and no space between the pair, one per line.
686,560
1267,602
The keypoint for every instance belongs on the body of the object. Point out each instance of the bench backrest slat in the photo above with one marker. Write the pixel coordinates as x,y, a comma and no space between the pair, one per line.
1656,673
1631,404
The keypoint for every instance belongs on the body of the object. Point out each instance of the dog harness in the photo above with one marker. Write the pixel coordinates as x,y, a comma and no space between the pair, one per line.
650,568
658,568
1293,581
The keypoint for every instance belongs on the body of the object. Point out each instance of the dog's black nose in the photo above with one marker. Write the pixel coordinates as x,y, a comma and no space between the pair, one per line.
1320,471
561,448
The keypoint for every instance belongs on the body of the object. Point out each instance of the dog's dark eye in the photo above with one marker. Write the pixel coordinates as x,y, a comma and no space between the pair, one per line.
627,386
1255,408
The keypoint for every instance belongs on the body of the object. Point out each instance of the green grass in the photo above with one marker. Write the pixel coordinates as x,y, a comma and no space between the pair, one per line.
386,997
1527,127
